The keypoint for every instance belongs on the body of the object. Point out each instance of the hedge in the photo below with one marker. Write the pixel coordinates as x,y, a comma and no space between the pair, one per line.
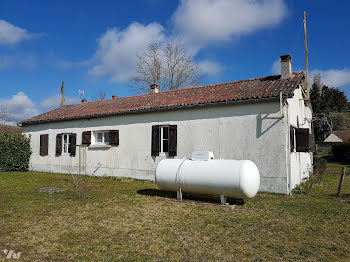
341,152
14,152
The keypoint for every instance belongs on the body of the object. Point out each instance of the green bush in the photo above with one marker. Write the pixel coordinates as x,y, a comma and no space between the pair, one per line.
315,177
341,152
14,151
306,185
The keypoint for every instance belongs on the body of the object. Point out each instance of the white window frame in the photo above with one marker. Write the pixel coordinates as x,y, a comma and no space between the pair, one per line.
295,141
65,147
162,153
94,136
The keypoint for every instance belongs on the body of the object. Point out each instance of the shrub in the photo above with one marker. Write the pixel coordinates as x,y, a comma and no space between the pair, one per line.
14,151
315,177
341,152
319,167
306,185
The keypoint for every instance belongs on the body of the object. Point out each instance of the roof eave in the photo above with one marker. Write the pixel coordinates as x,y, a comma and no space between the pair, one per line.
234,102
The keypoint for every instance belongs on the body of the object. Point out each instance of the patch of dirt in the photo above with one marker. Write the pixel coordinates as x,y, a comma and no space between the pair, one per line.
51,190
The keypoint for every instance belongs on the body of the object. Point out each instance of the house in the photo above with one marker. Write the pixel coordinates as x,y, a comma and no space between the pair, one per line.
338,136
333,138
262,119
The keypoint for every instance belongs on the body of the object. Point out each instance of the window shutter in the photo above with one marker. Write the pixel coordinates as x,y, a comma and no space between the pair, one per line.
155,147
114,137
44,145
302,137
86,138
291,139
172,140
72,144
59,144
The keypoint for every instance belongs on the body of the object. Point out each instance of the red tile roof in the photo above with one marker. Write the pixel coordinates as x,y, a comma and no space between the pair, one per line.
245,90
8,128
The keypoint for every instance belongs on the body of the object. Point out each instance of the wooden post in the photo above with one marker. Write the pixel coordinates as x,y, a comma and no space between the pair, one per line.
306,58
62,94
341,181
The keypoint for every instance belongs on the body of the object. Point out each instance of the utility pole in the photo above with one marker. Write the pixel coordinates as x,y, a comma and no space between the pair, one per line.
306,59
62,94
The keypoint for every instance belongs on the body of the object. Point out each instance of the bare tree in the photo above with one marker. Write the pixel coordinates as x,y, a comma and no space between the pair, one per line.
4,114
100,95
169,65
317,82
323,125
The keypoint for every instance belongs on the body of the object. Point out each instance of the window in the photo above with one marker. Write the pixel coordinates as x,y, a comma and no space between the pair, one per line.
66,144
164,140
101,138
300,140
44,145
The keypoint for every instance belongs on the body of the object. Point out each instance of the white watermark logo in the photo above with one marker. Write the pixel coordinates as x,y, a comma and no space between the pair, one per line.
11,254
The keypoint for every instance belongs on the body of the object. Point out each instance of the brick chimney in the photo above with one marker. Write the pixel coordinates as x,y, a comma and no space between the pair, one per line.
286,66
154,88
84,101
114,97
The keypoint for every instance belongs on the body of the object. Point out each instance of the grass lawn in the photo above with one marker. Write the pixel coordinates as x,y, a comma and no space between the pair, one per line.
130,220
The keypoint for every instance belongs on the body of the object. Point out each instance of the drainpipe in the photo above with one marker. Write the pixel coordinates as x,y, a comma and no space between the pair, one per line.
288,167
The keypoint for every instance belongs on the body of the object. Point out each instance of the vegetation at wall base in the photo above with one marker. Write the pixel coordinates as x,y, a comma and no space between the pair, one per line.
315,178
14,151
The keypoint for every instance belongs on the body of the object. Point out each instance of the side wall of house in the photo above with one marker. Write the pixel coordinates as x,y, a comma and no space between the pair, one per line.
243,131
300,163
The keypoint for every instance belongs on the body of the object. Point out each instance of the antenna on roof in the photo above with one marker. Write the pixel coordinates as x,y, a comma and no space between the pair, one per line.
81,93
62,93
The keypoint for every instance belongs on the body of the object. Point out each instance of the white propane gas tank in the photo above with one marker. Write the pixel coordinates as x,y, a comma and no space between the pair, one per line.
230,178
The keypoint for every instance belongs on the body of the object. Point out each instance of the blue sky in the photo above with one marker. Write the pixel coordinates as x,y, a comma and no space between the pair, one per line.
92,45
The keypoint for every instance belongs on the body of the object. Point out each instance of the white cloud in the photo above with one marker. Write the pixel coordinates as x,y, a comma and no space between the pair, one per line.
210,67
276,67
202,22
53,102
333,77
17,61
19,107
11,34
117,50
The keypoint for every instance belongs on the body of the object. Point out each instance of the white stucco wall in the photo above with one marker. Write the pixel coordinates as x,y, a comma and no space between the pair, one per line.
300,163
244,131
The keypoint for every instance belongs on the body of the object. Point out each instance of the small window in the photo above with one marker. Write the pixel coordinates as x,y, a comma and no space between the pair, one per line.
164,138
101,138
44,145
65,143
302,137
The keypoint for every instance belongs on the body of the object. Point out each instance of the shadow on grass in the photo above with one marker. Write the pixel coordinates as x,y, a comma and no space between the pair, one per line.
187,196
331,160
345,196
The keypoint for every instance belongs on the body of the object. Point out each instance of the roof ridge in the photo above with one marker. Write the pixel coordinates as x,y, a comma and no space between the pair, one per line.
223,83
192,87
246,89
